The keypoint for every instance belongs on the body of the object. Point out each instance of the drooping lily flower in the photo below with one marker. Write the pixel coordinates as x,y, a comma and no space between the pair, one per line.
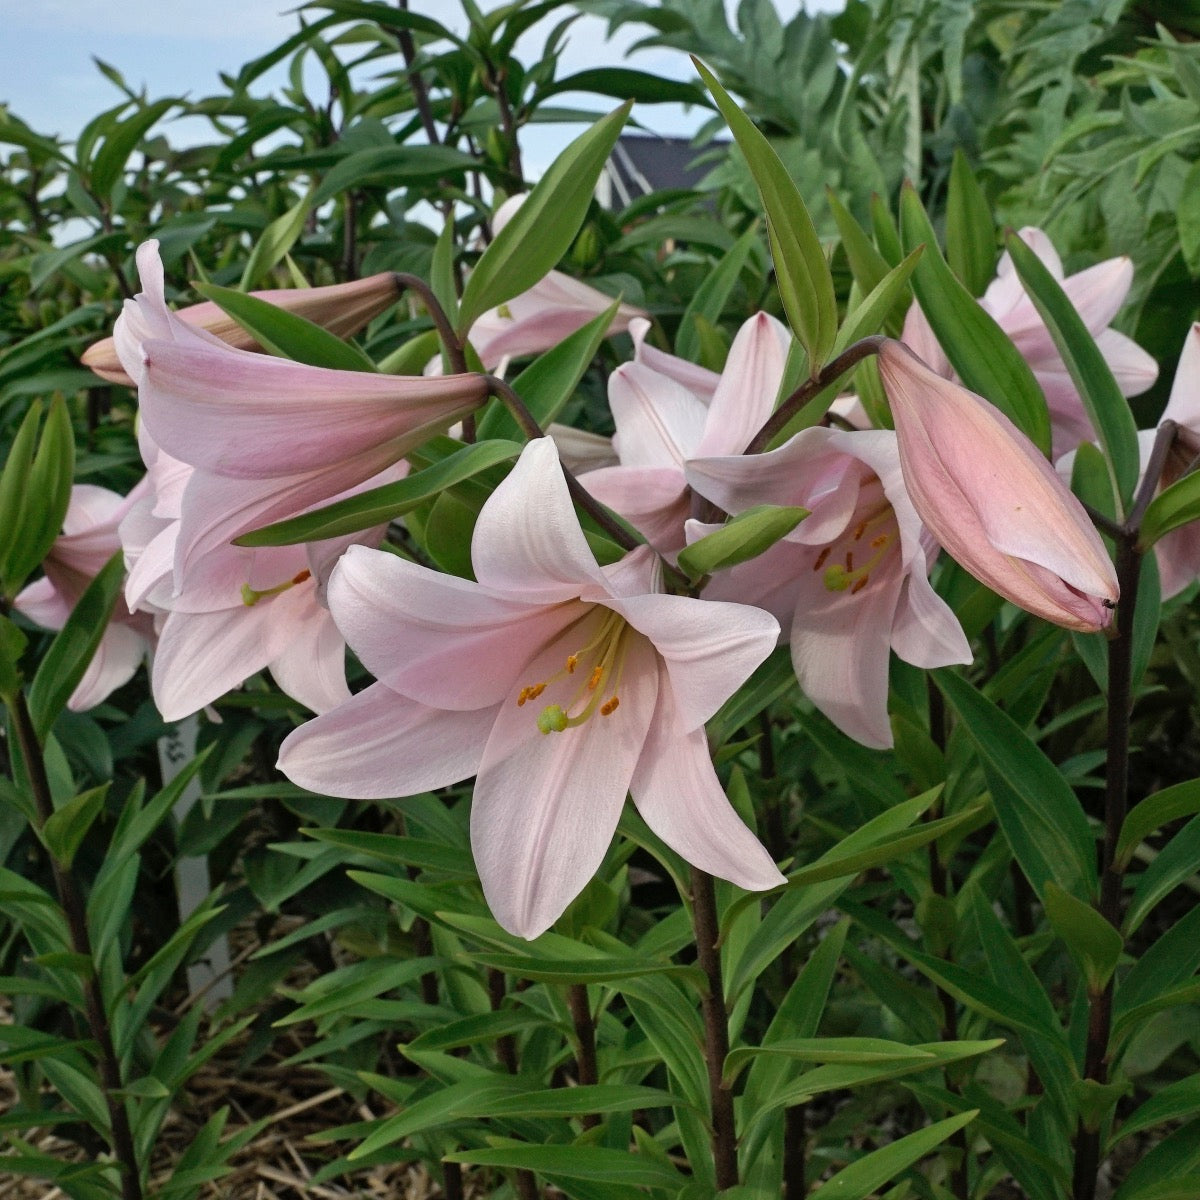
88,540
1178,553
993,501
1097,293
269,438
662,424
850,582
561,685
342,308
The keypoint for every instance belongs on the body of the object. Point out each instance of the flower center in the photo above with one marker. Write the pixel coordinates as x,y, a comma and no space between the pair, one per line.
595,670
251,596
859,551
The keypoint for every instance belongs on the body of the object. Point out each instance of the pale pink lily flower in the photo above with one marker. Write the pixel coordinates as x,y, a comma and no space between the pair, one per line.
88,540
342,308
269,438
1097,294
850,582
1178,553
239,611
561,685
992,500
662,424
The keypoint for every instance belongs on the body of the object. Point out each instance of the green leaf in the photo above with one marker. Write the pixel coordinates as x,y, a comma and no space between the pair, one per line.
285,333
541,231
1090,372
1187,218
1174,865
1038,813
618,1167
109,162
870,314
801,271
867,265
858,1051
598,969
1092,941
1174,506
1182,800
713,293
49,495
864,1176
441,273
548,382
393,166
275,242
12,646
377,506
623,83
14,493
74,646
979,350
66,827
740,539
1174,1102
970,228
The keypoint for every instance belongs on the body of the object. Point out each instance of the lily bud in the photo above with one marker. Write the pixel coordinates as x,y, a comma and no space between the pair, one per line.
993,501
342,308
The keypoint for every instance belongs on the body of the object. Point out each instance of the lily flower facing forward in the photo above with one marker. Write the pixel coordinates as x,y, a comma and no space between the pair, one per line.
662,424
993,501
850,582
269,438
88,540
561,685
342,308
1096,293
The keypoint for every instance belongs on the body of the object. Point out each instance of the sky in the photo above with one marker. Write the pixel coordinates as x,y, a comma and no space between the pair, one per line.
177,47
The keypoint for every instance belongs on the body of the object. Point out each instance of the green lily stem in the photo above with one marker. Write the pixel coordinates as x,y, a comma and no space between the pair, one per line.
75,911
828,374
706,927
1116,796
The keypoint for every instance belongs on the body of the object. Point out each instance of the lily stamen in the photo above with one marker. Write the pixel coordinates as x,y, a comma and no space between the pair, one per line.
251,596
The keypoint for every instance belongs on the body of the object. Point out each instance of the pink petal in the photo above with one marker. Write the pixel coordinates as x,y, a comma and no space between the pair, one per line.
700,381
677,792
379,744
749,385
710,649
115,662
43,604
528,544
441,640
659,422
654,500
546,805
312,669
1133,368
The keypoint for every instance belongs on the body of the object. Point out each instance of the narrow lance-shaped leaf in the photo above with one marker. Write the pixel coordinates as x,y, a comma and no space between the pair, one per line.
541,230
14,491
805,282
1092,941
970,228
1174,506
48,492
1091,374
73,646
276,240
382,504
287,334
709,301
979,350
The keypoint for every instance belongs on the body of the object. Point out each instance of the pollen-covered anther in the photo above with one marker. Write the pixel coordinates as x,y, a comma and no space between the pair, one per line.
595,678
530,693
572,663
610,706
822,558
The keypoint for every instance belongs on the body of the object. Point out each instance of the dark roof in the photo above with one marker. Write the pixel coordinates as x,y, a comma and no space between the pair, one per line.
640,164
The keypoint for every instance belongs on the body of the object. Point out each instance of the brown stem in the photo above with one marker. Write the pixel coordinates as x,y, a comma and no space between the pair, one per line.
350,237
828,374
1116,796
716,1028
1163,439
506,1048
794,1137
71,899
450,339
586,1069
452,1181
416,81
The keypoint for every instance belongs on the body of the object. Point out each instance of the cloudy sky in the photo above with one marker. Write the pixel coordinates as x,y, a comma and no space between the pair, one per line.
177,47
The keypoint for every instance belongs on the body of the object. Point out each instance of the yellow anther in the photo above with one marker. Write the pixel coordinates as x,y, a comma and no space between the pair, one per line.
879,542
594,682
530,693
572,663
609,707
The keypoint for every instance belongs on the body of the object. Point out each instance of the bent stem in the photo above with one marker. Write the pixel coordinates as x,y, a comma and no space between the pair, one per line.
829,374
716,1028
586,1070
75,911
